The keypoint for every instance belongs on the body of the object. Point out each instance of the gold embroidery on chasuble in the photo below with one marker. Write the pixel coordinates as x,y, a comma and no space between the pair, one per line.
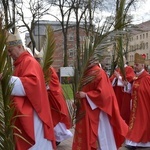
80,122
78,148
79,143
79,139
134,105
80,131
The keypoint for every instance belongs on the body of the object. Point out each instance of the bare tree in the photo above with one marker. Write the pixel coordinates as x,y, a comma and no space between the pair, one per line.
77,10
90,17
37,10
122,21
65,8
8,8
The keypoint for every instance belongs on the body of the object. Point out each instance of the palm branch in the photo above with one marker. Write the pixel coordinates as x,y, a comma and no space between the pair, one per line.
108,34
121,22
6,109
90,50
48,51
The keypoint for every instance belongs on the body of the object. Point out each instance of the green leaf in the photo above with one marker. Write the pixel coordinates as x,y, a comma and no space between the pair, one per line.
48,50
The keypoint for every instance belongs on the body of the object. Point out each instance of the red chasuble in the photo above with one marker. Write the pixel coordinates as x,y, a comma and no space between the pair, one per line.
139,128
59,107
102,95
124,98
36,99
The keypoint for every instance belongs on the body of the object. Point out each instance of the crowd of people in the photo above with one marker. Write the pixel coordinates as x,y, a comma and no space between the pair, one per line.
115,110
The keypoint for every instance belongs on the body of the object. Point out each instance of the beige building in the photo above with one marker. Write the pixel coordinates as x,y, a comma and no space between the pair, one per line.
139,42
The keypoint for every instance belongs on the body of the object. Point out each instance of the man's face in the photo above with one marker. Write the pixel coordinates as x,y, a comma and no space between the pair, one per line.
138,67
13,51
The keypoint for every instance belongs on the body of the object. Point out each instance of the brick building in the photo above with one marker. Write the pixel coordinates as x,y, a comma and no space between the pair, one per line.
59,52
139,41
40,34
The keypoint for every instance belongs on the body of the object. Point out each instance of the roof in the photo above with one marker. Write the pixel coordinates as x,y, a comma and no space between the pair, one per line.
142,27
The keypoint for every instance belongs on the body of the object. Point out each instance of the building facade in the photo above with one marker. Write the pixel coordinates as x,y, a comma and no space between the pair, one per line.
40,34
71,46
139,42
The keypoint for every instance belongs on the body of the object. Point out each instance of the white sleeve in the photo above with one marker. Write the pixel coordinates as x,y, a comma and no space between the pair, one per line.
92,105
18,89
120,82
128,88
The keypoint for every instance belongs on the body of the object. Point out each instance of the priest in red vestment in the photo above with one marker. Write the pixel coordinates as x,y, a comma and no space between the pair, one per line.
60,114
99,125
138,136
34,121
123,89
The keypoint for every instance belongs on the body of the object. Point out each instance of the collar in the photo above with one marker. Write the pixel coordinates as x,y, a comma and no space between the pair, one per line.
139,73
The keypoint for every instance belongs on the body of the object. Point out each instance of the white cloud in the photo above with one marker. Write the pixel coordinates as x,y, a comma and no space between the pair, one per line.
142,12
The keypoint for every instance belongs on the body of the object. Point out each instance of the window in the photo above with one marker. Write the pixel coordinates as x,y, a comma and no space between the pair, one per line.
146,45
71,53
132,57
132,48
70,37
147,56
140,36
143,45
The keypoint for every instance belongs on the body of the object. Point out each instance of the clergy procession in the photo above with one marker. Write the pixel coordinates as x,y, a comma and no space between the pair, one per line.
112,113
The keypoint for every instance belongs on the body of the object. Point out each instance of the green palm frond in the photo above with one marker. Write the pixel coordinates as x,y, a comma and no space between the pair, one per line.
121,22
6,111
48,50
93,46
119,25
89,55
110,33
7,117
